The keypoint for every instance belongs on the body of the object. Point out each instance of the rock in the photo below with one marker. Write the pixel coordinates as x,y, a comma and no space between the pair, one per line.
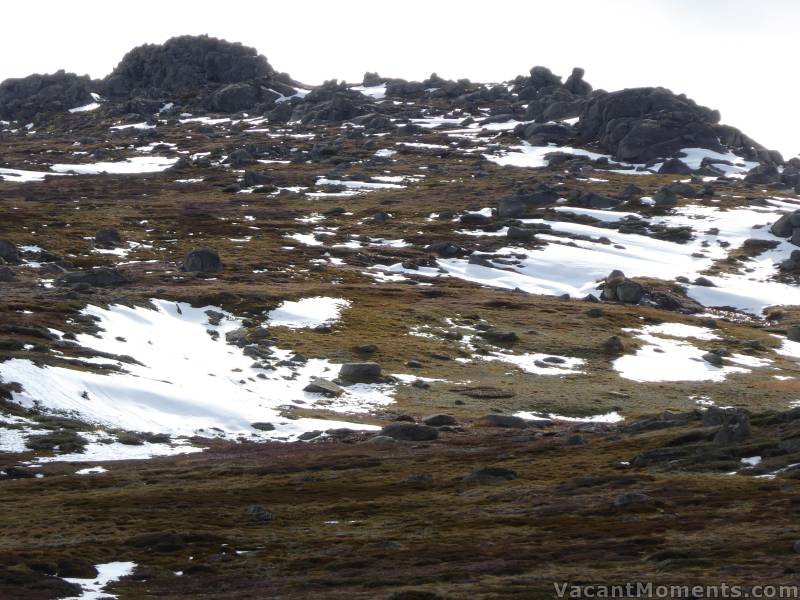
366,349
381,440
576,84
632,499
713,359
7,275
490,475
499,337
183,66
642,124
520,234
318,385
793,333
76,568
503,421
8,252
309,435
410,432
665,197
439,420
202,260
704,282
22,99
236,97
364,372
260,514
735,428
674,166
618,287
763,175
261,426
474,219
418,479
783,227
613,345
796,547
100,277
107,238
629,291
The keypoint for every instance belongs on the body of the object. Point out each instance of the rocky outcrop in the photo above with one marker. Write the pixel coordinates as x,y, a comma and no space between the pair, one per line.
644,124
788,226
183,65
22,99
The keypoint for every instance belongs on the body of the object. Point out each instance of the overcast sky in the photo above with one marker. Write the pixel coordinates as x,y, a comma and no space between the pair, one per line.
739,56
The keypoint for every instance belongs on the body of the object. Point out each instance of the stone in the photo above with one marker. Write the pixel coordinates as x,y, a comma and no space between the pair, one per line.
793,333
318,385
363,372
490,475
632,499
100,277
410,432
613,345
503,421
674,166
260,514
7,275
202,260
439,420
8,252
107,237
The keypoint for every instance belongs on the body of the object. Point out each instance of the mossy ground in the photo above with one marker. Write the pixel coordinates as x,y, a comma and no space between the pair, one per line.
346,525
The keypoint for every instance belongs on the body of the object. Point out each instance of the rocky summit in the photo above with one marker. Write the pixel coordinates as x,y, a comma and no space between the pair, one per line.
389,339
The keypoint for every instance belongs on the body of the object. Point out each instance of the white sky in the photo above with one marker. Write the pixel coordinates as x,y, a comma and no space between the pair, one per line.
739,56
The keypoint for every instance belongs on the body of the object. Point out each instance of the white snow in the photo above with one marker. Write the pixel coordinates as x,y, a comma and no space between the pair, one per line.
138,164
360,185
189,383
307,312
663,358
529,156
612,417
94,588
21,176
92,471
85,108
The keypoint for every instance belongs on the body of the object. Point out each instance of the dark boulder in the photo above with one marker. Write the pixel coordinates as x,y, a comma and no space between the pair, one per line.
202,260
490,475
108,237
618,287
360,372
410,432
22,99
576,84
643,124
8,252
236,97
440,420
674,166
100,277
184,65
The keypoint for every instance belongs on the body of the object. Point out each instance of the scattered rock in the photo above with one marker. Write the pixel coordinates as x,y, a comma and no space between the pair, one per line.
260,514
365,372
439,420
318,385
410,432
614,345
490,475
202,260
